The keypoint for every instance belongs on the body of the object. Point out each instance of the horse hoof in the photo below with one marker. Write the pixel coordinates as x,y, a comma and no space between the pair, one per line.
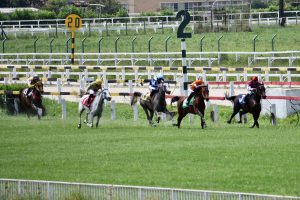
79,126
228,122
204,126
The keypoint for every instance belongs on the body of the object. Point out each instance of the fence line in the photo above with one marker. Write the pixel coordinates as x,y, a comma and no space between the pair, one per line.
149,58
52,190
139,22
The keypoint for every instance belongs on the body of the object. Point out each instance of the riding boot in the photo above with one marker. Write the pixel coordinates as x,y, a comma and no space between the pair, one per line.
189,98
89,99
152,93
246,98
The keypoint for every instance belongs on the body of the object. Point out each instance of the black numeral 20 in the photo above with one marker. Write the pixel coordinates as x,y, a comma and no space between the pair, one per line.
77,22
183,24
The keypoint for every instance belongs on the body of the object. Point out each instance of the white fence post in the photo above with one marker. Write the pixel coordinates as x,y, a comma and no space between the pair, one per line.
135,112
58,90
63,109
231,88
215,116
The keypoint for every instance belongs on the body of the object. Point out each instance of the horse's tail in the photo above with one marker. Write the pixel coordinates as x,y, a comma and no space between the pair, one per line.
135,97
174,99
230,98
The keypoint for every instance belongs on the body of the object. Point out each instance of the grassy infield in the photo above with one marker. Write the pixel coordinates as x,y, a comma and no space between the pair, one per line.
221,157
286,39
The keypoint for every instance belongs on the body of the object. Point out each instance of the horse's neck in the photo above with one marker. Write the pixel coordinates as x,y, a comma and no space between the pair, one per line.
98,102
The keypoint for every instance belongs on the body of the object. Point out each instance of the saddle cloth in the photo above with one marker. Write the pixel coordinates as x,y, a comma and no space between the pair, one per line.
184,105
242,98
25,92
84,101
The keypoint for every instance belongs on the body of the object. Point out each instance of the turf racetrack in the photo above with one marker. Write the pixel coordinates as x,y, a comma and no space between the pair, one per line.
222,157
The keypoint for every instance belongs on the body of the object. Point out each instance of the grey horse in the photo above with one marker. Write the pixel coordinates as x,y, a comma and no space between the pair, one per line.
156,105
95,109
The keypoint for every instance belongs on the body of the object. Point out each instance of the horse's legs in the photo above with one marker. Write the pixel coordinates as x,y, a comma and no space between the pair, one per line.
97,121
180,117
255,117
241,113
80,112
91,124
235,111
203,124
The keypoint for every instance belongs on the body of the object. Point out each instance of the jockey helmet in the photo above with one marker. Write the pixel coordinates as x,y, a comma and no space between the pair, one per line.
254,78
98,81
198,82
159,77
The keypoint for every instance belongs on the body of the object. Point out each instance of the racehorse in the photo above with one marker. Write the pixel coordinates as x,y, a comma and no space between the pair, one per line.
33,101
252,105
95,109
157,104
197,107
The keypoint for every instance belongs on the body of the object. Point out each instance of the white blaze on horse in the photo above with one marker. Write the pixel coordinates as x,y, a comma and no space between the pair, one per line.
94,109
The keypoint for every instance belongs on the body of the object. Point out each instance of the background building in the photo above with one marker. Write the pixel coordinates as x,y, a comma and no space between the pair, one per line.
137,6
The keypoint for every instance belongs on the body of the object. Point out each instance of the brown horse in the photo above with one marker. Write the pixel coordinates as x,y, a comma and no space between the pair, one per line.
252,105
32,103
197,108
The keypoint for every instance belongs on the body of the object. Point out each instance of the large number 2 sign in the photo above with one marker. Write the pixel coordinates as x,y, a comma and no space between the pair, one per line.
183,24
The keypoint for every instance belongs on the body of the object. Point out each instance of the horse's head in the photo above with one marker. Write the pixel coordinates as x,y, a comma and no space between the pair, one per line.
261,91
204,91
39,86
106,94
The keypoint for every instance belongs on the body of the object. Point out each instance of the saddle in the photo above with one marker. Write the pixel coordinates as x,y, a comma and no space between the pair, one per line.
84,101
185,105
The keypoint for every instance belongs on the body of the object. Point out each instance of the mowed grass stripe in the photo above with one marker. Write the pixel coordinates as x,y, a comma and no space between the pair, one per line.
221,157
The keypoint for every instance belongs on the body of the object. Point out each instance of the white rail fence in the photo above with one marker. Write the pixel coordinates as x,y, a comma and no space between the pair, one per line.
122,77
150,58
50,190
138,23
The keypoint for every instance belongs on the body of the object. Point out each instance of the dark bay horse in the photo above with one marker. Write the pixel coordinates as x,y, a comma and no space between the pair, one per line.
252,105
197,108
33,102
95,109
157,104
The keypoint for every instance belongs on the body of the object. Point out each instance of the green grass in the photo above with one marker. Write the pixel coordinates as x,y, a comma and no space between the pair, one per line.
286,40
222,157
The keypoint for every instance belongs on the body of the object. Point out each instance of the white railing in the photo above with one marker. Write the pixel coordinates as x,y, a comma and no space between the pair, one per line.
50,190
138,22
148,58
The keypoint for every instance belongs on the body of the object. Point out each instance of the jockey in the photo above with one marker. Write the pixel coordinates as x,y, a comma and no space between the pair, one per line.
198,82
93,89
31,83
251,87
153,85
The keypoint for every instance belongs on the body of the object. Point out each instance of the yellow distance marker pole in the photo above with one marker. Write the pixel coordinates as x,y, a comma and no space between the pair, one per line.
73,47
73,22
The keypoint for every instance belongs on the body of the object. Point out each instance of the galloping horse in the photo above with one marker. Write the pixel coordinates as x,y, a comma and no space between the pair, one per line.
95,109
33,102
197,108
156,105
252,106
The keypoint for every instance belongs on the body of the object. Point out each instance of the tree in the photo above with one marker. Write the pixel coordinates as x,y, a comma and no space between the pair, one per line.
281,13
